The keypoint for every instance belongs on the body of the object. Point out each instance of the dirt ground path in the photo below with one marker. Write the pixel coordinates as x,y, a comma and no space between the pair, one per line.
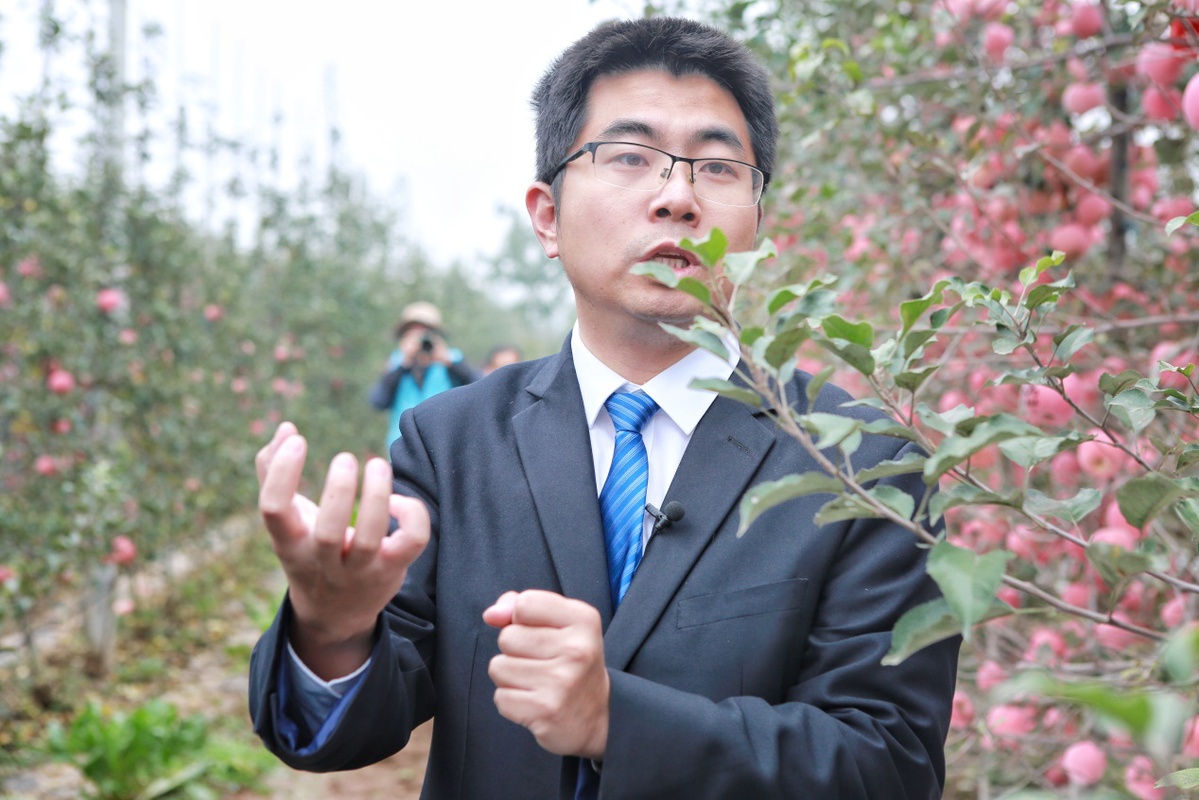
212,682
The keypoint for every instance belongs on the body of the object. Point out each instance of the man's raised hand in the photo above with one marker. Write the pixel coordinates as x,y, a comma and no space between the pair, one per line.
339,577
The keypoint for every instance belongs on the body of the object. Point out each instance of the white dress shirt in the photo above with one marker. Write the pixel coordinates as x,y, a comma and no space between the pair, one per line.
667,432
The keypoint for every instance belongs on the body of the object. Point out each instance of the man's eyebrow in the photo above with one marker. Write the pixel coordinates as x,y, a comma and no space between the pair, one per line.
717,134
629,127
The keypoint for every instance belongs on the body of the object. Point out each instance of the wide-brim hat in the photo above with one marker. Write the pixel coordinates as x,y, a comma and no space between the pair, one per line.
418,313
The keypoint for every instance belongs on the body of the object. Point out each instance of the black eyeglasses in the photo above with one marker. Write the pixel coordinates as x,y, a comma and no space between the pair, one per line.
645,169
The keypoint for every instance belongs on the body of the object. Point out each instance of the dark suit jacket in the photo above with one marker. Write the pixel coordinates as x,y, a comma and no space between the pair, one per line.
740,668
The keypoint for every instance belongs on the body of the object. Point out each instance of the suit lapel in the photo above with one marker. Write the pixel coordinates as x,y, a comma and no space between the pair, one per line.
725,451
554,447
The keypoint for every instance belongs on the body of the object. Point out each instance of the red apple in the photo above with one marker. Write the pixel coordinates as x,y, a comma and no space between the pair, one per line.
1081,97
109,300
124,551
1072,239
1161,104
1084,763
997,38
60,381
1190,102
1086,20
1160,63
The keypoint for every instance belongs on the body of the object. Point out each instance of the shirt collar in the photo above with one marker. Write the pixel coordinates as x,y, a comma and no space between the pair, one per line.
669,388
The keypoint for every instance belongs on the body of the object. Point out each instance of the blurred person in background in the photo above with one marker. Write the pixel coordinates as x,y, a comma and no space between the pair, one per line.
422,365
501,356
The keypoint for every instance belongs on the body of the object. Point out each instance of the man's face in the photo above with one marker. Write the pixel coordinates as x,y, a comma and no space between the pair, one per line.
600,231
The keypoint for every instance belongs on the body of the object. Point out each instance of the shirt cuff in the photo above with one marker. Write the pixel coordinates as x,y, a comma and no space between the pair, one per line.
312,707
308,681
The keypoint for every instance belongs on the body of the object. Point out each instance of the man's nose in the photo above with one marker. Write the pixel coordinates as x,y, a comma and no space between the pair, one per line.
676,196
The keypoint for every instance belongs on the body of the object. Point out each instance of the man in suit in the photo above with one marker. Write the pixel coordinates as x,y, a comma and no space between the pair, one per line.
558,660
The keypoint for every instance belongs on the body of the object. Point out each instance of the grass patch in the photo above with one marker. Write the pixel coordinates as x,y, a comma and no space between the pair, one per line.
188,645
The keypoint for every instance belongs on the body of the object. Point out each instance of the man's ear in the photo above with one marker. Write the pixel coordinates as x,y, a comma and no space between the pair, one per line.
543,213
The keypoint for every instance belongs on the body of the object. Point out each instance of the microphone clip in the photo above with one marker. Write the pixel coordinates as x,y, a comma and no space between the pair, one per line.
671,513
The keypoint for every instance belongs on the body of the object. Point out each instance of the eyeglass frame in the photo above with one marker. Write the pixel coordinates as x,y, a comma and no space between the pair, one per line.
590,147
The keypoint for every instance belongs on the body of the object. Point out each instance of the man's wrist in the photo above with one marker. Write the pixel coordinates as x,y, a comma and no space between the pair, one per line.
329,652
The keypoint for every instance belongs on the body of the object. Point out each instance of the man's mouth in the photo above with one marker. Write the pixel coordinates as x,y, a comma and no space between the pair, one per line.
673,259
674,262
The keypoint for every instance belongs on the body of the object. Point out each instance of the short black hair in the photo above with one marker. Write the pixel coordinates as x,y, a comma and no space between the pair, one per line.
675,45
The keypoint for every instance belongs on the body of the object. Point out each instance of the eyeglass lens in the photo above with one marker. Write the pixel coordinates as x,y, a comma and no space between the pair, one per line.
634,166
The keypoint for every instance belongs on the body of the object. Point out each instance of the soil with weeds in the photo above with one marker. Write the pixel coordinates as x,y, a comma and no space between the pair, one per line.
187,640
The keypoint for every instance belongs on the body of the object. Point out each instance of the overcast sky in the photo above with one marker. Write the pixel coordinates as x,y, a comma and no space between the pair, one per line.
431,97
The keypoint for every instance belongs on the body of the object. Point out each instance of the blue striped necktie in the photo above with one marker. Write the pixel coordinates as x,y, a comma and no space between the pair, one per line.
622,500
622,507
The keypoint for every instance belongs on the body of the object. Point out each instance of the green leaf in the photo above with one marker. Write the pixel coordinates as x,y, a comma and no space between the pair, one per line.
1187,371
844,508
814,305
710,249
911,310
1188,511
1188,456
830,43
728,389
913,341
984,431
782,348
909,463
700,338
161,787
895,499
911,381
1020,377
1115,564
765,496
662,273
1045,293
831,429
1180,654
1007,342
815,298
1142,499
1114,384
1178,222
1133,408
945,422
1029,274
855,355
817,383
966,495
739,267
886,426
836,327
1070,341
938,318
779,298
751,334
1071,509
968,580
1184,778
696,289
1028,451
929,623
1131,710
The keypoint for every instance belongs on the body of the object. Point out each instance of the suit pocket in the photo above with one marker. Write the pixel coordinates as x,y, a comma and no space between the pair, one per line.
768,598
